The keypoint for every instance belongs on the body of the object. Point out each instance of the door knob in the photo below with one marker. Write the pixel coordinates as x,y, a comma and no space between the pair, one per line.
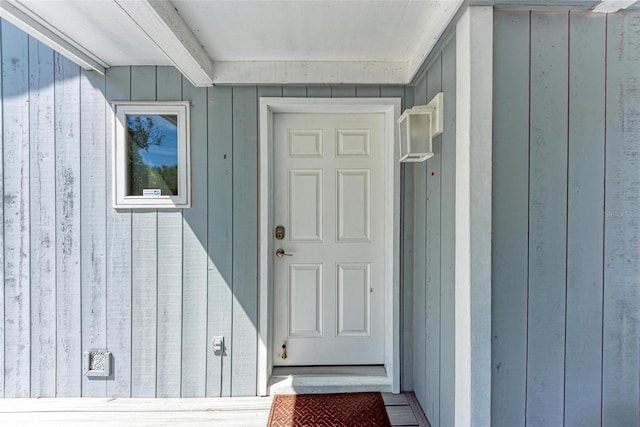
280,253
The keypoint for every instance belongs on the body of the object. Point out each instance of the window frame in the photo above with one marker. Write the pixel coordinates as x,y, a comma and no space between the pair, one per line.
122,109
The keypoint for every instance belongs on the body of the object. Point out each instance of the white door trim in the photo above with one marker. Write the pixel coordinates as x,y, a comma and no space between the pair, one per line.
390,107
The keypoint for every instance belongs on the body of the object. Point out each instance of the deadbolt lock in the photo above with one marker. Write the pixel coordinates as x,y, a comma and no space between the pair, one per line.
280,232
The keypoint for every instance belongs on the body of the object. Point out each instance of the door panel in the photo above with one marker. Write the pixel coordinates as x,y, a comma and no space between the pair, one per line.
328,182
354,205
305,300
354,300
305,205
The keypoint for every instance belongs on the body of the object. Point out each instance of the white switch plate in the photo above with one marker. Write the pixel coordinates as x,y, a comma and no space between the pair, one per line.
218,345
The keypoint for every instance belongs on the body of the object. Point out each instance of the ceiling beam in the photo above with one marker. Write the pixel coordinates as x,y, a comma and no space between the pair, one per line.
441,18
29,22
310,72
611,6
160,20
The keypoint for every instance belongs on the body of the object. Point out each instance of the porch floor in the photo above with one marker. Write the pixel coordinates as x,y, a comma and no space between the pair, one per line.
225,411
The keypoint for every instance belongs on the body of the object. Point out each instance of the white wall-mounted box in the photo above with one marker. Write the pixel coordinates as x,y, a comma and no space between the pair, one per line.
417,128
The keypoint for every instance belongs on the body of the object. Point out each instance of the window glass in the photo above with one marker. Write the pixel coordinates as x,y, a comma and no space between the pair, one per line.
153,154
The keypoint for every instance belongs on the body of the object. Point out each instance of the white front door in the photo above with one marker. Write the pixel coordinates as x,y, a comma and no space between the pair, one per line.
329,195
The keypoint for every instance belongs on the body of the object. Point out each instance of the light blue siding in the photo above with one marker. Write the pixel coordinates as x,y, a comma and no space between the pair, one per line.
431,230
15,157
547,218
220,239
93,204
565,321
68,223
621,350
585,211
43,248
152,286
420,363
447,245
195,343
144,269
118,88
169,336
432,258
510,258
245,260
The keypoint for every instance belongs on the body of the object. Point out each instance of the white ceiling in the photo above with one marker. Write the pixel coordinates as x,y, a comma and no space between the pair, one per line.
253,41
244,41
308,30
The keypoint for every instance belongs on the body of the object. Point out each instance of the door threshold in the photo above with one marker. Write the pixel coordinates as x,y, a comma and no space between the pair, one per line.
328,379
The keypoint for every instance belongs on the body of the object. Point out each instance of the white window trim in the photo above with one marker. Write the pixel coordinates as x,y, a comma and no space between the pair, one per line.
120,111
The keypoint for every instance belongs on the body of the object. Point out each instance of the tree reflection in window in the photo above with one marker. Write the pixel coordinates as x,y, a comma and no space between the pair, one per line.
153,154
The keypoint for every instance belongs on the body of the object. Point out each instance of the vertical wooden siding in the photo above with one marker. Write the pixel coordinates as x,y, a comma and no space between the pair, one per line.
152,286
432,193
566,260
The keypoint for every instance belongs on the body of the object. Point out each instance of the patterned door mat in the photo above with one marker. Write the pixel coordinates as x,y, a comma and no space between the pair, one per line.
335,410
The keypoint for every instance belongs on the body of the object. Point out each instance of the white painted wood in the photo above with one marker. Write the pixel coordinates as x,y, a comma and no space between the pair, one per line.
390,108
232,412
121,197
354,303
128,405
395,26
164,25
310,72
392,399
304,315
341,383
354,370
610,6
385,42
29,22
120,44
474,98
401,416
139,419
434,30
325,202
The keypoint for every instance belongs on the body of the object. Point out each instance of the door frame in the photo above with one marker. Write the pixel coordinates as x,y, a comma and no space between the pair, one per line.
390,108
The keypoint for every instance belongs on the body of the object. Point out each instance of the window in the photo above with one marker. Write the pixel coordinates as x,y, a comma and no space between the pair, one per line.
151,165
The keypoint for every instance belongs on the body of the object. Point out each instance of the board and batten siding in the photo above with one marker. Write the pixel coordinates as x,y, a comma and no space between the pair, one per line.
153,286
566,219
433,205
